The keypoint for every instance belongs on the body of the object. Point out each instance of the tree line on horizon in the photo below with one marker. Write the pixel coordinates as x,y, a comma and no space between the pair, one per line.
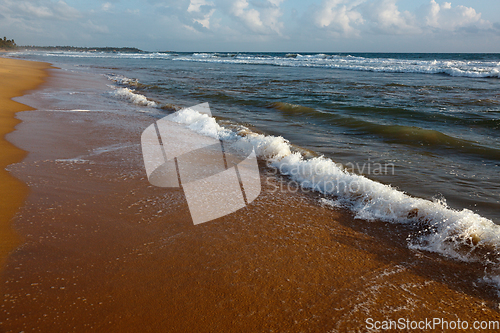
82,49
10,44
7,43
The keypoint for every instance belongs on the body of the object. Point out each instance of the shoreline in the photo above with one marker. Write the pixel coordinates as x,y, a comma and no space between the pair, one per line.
106,251
17,78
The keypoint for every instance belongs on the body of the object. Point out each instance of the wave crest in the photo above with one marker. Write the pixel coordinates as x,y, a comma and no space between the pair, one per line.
459,234
131,96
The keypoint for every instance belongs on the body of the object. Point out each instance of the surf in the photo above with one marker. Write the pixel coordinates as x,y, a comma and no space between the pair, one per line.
459,234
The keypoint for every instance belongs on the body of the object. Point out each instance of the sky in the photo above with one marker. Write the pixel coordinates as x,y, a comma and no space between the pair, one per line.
257,25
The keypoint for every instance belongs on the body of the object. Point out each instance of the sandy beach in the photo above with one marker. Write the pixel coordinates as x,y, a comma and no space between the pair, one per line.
17,77
101,250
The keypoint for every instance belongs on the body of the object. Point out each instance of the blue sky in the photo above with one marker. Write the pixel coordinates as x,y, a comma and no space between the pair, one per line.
258,25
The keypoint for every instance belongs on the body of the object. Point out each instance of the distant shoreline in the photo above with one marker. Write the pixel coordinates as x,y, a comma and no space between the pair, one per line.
109,49
82,49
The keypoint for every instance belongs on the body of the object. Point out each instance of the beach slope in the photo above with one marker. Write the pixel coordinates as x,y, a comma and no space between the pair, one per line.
16,78
103,250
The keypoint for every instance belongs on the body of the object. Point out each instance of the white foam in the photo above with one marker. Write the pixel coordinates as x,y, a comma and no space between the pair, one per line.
123,80
131,96
76,160
449,231
452,230
265,146
473,69
202,123
463,68
109,55
95,152
107,149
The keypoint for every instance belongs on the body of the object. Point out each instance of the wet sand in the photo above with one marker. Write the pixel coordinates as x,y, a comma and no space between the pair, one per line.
16,78
104,251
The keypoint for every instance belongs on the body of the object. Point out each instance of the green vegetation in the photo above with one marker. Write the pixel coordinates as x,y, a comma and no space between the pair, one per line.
83,49
7,44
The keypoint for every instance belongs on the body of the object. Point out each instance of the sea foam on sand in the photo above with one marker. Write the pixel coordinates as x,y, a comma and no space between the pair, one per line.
454,233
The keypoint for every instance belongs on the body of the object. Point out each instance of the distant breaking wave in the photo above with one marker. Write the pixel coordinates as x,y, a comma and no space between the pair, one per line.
473,69
460,66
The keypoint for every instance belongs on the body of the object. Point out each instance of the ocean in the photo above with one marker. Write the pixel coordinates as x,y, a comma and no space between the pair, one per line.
410,139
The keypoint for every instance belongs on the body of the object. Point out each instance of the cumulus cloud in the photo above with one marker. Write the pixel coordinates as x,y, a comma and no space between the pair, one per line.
194,15
94,28
241,22
264,19
205,21
449,18
340,16
133,11
384,16
42,9
200,11
106,6
195,5
352,18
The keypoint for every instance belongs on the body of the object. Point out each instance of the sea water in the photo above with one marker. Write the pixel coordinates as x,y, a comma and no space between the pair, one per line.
402,138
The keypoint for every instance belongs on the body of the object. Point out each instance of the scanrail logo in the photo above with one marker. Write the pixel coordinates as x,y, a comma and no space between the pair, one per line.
217,180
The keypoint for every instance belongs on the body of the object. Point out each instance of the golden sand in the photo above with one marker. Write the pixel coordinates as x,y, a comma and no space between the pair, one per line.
104,251
16,77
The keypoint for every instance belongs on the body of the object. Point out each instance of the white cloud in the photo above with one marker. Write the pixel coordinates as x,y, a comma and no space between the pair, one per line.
271,16
195,5
251,24
133,11
39,22
205,21
339,16
263,21
106,6
171,4
43,9
353,18
190,28
94,28
384,16
250,16
449,18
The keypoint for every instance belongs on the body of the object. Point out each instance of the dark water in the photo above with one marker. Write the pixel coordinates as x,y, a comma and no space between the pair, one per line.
434,117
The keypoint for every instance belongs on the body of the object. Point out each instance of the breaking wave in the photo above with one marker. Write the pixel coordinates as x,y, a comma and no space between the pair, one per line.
131,96
459,234
463,68
452,65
